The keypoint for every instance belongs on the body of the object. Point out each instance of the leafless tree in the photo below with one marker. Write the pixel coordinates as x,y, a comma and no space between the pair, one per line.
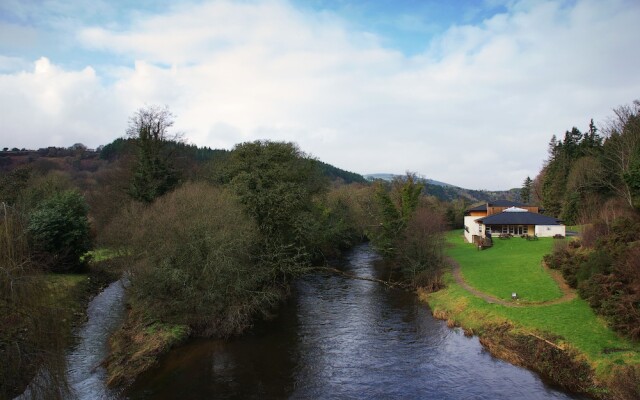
621,148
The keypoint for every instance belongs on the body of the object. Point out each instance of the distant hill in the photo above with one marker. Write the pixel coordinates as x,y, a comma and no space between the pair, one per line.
335,173
389,177
447,192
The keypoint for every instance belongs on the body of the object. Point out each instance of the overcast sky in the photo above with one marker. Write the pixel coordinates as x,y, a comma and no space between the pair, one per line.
466,92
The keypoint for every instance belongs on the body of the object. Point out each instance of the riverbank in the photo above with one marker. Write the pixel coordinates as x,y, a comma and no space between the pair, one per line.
61,302
564,341
138,344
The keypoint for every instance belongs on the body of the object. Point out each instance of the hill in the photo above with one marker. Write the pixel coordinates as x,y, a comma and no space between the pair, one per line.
447,192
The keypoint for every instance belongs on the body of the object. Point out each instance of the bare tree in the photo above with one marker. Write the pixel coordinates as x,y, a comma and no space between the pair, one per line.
622,148
151,123
154,174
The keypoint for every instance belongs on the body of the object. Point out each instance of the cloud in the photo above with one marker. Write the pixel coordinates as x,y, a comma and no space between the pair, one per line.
476,109
50,106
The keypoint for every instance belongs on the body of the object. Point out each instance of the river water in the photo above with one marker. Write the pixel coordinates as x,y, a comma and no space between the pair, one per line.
85,372
340,338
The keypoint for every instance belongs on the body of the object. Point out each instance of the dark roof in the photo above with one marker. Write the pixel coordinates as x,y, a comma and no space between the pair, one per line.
481,207
518,218
497,203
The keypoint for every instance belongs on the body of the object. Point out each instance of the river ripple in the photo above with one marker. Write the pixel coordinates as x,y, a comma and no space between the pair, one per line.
343,339
85,372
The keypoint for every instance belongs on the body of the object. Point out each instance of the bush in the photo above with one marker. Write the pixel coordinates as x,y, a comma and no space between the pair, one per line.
621,231
197,262
59,231
566,259
421,249
608,274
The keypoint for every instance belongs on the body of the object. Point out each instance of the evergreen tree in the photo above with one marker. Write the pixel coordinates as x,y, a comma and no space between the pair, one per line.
525,192
396,205
59,229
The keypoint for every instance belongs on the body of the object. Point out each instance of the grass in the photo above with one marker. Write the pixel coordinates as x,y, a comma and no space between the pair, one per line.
512,265
101,254
574,320
65,288
137,345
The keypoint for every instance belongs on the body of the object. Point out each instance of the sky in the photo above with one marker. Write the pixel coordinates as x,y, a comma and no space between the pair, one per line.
466,92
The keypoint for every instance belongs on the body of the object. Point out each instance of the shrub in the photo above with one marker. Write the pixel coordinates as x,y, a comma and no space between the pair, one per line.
567,260
32,335
59,231
197,262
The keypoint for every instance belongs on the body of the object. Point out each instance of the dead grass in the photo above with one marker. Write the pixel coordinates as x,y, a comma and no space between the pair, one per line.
137,346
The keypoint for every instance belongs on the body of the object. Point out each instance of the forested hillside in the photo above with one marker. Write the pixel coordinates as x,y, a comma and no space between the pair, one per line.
593,179
446,192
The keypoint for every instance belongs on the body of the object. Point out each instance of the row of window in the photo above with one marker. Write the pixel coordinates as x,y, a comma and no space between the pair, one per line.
512,229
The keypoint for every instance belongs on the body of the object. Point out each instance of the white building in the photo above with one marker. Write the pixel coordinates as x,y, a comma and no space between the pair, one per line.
507,217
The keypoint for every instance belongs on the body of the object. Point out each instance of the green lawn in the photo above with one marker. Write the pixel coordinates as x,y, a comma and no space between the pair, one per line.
101,254
511,265
574,320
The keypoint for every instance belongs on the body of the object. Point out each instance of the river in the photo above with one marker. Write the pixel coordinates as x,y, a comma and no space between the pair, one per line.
339,338
85,372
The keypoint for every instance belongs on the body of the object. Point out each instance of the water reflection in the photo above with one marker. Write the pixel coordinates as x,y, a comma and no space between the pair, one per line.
342,339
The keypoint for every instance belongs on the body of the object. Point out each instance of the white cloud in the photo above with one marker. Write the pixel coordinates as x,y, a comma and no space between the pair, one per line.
476,110
49,106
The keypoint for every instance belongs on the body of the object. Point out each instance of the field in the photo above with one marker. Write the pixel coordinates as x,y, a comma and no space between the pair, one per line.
511,265
573,322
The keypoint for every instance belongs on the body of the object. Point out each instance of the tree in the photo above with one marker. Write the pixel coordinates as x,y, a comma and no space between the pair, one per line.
591,139
59,231
276,182
584,183
396,204
194,262
525,192
421,248
621,152
13,183
154,173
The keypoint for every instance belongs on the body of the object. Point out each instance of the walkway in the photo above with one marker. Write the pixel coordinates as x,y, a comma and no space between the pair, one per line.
568,294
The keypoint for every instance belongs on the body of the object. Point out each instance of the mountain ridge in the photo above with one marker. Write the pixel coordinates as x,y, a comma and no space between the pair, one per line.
448,192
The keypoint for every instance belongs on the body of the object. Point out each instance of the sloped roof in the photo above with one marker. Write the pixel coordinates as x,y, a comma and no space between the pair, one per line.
518,218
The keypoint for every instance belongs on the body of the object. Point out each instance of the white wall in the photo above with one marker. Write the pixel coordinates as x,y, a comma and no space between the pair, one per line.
550,230
472,226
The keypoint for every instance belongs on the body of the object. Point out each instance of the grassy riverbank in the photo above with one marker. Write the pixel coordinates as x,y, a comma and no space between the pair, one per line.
568,328
136,346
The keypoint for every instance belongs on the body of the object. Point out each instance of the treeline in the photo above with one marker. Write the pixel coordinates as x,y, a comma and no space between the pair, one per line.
588,169
453,193
594,180
210,239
